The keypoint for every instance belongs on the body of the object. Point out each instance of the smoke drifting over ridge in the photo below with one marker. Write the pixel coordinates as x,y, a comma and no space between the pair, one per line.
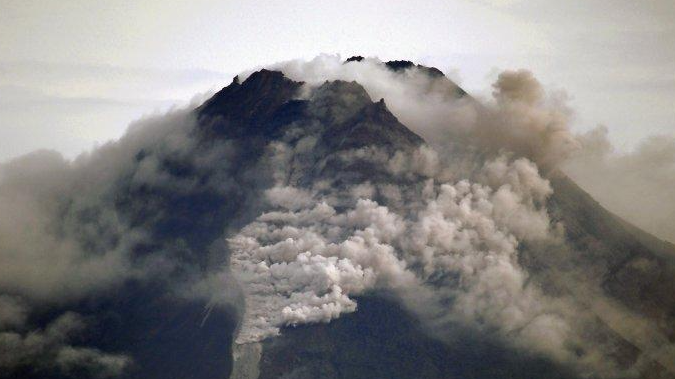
636,185
332,207
521,118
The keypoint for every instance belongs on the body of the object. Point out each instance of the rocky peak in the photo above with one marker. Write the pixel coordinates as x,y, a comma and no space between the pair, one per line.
356,58
372,125
402,65
452,88
264,104
405,65
247,108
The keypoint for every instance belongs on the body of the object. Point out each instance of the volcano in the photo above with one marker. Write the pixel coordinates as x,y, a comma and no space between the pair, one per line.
285,229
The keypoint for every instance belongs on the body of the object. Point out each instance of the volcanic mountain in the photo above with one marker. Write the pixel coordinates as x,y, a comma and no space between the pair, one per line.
285,229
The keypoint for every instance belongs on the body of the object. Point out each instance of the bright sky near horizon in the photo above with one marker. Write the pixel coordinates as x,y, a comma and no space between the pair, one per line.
74,73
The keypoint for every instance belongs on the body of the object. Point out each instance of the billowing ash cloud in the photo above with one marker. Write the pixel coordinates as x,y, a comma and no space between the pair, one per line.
636,185
63,232
304,261
76,231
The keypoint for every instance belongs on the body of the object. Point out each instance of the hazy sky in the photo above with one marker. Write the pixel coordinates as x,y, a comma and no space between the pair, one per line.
75,72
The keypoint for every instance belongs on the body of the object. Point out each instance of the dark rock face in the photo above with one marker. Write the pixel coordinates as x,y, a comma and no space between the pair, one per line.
264,106
252,108
356,58
633,267
404,65
340,115
381,340
167,337
354,121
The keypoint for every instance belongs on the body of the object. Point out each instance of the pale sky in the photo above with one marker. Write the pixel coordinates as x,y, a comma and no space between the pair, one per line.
74,73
